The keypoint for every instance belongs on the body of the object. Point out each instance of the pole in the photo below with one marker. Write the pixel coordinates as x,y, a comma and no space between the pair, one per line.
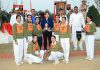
0,5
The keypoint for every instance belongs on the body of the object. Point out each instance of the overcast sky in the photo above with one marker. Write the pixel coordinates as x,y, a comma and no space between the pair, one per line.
38,4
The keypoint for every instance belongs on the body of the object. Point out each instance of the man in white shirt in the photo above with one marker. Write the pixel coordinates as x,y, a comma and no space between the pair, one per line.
13,17
77,23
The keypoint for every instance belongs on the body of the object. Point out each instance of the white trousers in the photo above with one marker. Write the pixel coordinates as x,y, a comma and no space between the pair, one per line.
36,59
18,50
26,46
90,45
65,44
55,55
75,41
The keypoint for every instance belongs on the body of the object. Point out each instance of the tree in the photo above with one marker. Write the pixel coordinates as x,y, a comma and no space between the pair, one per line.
95,14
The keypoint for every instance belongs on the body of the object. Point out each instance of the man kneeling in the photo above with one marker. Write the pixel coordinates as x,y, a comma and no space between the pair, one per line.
34,54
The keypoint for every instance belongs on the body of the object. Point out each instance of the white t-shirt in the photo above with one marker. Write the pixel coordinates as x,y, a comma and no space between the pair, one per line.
76,21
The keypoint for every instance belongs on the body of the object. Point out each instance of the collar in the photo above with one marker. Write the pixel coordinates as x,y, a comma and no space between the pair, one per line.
54,43
34,42
90,22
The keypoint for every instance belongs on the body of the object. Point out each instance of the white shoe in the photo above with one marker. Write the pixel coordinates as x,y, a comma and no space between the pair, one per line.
18,64
56,62
29,62
66,62
90,59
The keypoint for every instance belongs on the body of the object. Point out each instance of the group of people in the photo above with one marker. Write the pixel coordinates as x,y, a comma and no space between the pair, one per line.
37,38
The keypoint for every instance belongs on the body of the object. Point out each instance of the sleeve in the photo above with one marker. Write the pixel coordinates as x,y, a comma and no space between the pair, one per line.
93,28
29,49
22,20
42,23
82,20
11,20
71,20
14,31
69,31
59,47
25,30
51,25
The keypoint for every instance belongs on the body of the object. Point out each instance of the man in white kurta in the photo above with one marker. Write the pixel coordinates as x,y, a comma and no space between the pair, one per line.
13,17
76,22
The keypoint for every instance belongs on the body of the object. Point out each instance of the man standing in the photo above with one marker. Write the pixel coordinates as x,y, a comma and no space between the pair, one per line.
33,15
77,23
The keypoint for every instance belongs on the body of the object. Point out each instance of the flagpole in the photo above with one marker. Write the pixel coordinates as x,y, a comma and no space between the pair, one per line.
30,5
0,5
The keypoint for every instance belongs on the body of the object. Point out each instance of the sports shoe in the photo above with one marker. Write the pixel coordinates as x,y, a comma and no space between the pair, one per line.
56,62
18,64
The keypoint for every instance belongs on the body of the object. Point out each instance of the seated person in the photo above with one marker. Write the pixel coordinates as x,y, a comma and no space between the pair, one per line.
55,51
34,54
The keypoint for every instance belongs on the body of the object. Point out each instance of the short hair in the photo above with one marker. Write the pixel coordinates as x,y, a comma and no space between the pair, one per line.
32,9
34,35
53,36
60,9
57,15
46,12
75,7
29,15
64,18
37,17
18,16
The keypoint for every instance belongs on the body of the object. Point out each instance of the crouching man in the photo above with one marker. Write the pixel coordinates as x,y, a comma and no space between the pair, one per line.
34,54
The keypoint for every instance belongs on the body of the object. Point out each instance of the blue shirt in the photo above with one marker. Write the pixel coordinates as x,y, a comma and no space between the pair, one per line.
33,19
49,21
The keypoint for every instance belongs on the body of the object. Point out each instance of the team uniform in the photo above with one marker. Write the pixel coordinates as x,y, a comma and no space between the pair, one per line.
34,54
90,29
55,52
56,30
65,40
18,35
38,31
28,31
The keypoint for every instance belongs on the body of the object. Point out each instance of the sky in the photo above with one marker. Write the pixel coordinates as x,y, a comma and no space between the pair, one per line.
38,4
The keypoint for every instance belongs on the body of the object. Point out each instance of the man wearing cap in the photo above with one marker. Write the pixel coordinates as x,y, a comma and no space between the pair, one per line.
76,22
13,17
